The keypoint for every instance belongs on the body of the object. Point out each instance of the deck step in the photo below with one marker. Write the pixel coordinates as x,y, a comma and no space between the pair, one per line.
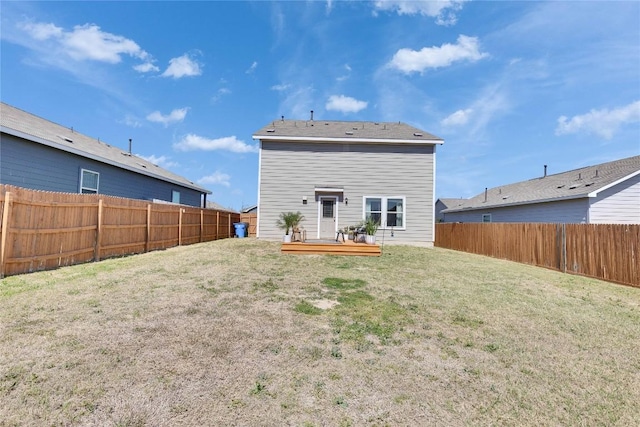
330,249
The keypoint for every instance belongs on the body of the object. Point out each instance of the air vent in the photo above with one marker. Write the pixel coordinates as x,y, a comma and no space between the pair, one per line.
354,128
140,164
65,138
589,184
505,197
271,130
560,186
573,186
417,134
349,132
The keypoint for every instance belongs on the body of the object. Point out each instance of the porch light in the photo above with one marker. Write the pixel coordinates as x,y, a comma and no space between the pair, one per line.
346,200
304,200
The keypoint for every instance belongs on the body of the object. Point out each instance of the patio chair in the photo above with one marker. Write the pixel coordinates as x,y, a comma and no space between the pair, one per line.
299,235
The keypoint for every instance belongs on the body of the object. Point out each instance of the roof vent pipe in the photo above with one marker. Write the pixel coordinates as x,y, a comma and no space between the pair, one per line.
485,194
545,171
311,115
129,145
282,118
596,173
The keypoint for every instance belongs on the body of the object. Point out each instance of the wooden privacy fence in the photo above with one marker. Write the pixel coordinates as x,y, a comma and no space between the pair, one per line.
252,220
44,230
604,251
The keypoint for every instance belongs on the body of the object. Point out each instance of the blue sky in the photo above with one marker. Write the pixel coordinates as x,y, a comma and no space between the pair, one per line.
509,86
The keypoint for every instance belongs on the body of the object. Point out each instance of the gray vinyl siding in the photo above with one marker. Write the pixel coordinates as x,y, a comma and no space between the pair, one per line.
291,171
619,204
565,211
36,166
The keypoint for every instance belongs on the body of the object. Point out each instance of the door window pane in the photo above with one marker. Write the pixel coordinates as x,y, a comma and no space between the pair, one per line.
327,208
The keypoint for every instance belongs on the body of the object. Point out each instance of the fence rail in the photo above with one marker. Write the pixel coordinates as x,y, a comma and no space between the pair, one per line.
604,251
44,230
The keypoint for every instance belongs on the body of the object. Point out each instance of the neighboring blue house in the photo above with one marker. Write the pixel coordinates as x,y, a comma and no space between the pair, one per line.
608,193
38,154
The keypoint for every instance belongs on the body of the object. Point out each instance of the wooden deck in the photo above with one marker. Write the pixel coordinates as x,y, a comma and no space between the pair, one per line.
330,248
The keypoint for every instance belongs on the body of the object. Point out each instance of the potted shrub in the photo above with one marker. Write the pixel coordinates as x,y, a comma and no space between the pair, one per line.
371,227
289,221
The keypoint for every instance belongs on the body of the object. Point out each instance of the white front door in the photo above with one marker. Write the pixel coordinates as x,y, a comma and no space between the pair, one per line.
327,218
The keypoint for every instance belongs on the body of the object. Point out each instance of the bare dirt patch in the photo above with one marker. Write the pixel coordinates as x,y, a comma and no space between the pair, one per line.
235,333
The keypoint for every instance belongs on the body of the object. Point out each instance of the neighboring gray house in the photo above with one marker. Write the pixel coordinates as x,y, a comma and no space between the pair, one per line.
442,204
338,173
38,154
608,193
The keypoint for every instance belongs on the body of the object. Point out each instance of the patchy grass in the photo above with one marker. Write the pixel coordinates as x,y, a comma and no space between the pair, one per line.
235,333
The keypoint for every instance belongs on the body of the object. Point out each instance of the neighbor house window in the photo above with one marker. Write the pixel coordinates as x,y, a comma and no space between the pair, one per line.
89,181
387,211
175,196
486,217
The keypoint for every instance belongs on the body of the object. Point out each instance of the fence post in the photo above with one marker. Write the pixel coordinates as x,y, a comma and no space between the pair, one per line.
147,241
564,247
180,227
217,225
201,225
96,256
8,203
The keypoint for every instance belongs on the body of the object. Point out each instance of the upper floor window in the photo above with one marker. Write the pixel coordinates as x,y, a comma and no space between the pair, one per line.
89,181
175,196
486,217
387,211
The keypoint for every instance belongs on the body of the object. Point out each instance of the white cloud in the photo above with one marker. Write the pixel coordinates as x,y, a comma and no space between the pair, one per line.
175,116
182,66
146,68
408,60
345,104
492,102
345,76
131,121
603,123
86,42
41,31
444,11
193,142
252,68
220,93
280,87
217,178
162,161
460,117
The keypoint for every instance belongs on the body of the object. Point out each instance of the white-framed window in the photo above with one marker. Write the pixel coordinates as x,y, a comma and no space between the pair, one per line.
486,217
89,181
175,196
387,211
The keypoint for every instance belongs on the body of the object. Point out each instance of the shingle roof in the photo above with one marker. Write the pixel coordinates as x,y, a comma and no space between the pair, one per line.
451,202
28,126
574,184
344,131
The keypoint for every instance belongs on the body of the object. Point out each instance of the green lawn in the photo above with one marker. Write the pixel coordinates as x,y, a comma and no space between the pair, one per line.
234,333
